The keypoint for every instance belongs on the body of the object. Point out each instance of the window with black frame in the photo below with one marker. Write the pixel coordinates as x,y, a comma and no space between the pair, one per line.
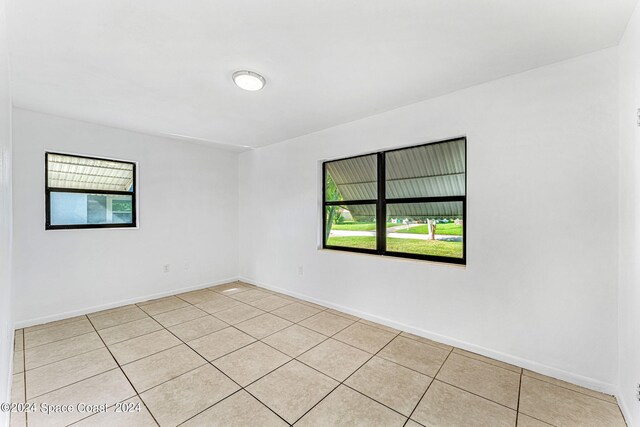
409,202
89,192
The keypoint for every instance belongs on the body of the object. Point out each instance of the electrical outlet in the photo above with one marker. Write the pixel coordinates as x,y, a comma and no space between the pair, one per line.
300,270
638,392
166,268
186,266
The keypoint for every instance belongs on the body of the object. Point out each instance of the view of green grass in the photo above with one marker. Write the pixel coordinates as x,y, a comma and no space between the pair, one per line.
412,246
358,226
447,229
355,226
425,247
442,228
361,242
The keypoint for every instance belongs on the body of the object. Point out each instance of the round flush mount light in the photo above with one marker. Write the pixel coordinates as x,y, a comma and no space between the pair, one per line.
248,80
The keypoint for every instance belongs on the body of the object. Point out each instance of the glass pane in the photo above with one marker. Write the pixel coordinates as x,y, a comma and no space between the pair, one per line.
426,228
432,170
88,174
352,226
81,208
352,179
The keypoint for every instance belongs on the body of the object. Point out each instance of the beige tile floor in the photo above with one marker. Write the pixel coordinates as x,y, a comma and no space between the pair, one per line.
236,355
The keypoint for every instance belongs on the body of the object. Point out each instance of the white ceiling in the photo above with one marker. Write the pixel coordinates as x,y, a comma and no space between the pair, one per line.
164,66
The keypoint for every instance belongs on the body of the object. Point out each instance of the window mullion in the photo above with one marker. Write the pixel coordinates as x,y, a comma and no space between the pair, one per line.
381,215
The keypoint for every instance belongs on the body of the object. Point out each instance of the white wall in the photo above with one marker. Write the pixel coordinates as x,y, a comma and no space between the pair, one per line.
539,288
188,209
6,314
629,292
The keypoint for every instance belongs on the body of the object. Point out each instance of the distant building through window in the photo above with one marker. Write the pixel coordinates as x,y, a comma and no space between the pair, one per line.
409,202
88,192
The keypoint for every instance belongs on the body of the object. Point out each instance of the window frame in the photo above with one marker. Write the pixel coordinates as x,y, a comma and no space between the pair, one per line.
381,207
49,190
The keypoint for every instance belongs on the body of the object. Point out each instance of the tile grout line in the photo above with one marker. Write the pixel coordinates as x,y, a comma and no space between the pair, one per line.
219,370
451,351
522,373
546,423
475,394
55,341
395,363
141,335
235,306
24,378
183,322
60,360
162,327
462,389
177,309
283,296
432,345
359,367
209,407
547,382
122,323
149,355
83,379
212,314
377,401
349,376
327,337
429,386
163,312
125,375
325,309
257,340
138,336
42,326
261,402
322,373
208,362
77,382
295,302
445,382
570,389
63,339
353,322
206,290
113,326
155,320
74,382
486,362
118,366
132,338
519,395
186,342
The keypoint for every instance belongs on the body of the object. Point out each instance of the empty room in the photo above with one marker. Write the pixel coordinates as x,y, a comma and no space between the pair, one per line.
320,213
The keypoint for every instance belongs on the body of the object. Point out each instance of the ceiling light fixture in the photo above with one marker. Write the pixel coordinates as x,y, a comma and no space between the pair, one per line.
248,80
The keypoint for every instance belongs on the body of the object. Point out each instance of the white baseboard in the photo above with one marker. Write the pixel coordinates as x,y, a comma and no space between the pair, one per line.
93,309
626,413
561,374
504,357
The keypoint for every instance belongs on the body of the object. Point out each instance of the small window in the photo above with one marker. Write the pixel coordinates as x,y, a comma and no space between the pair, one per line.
409,202
88,192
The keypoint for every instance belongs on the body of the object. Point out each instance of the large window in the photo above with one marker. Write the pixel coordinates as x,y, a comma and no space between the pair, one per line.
409,202
87,192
